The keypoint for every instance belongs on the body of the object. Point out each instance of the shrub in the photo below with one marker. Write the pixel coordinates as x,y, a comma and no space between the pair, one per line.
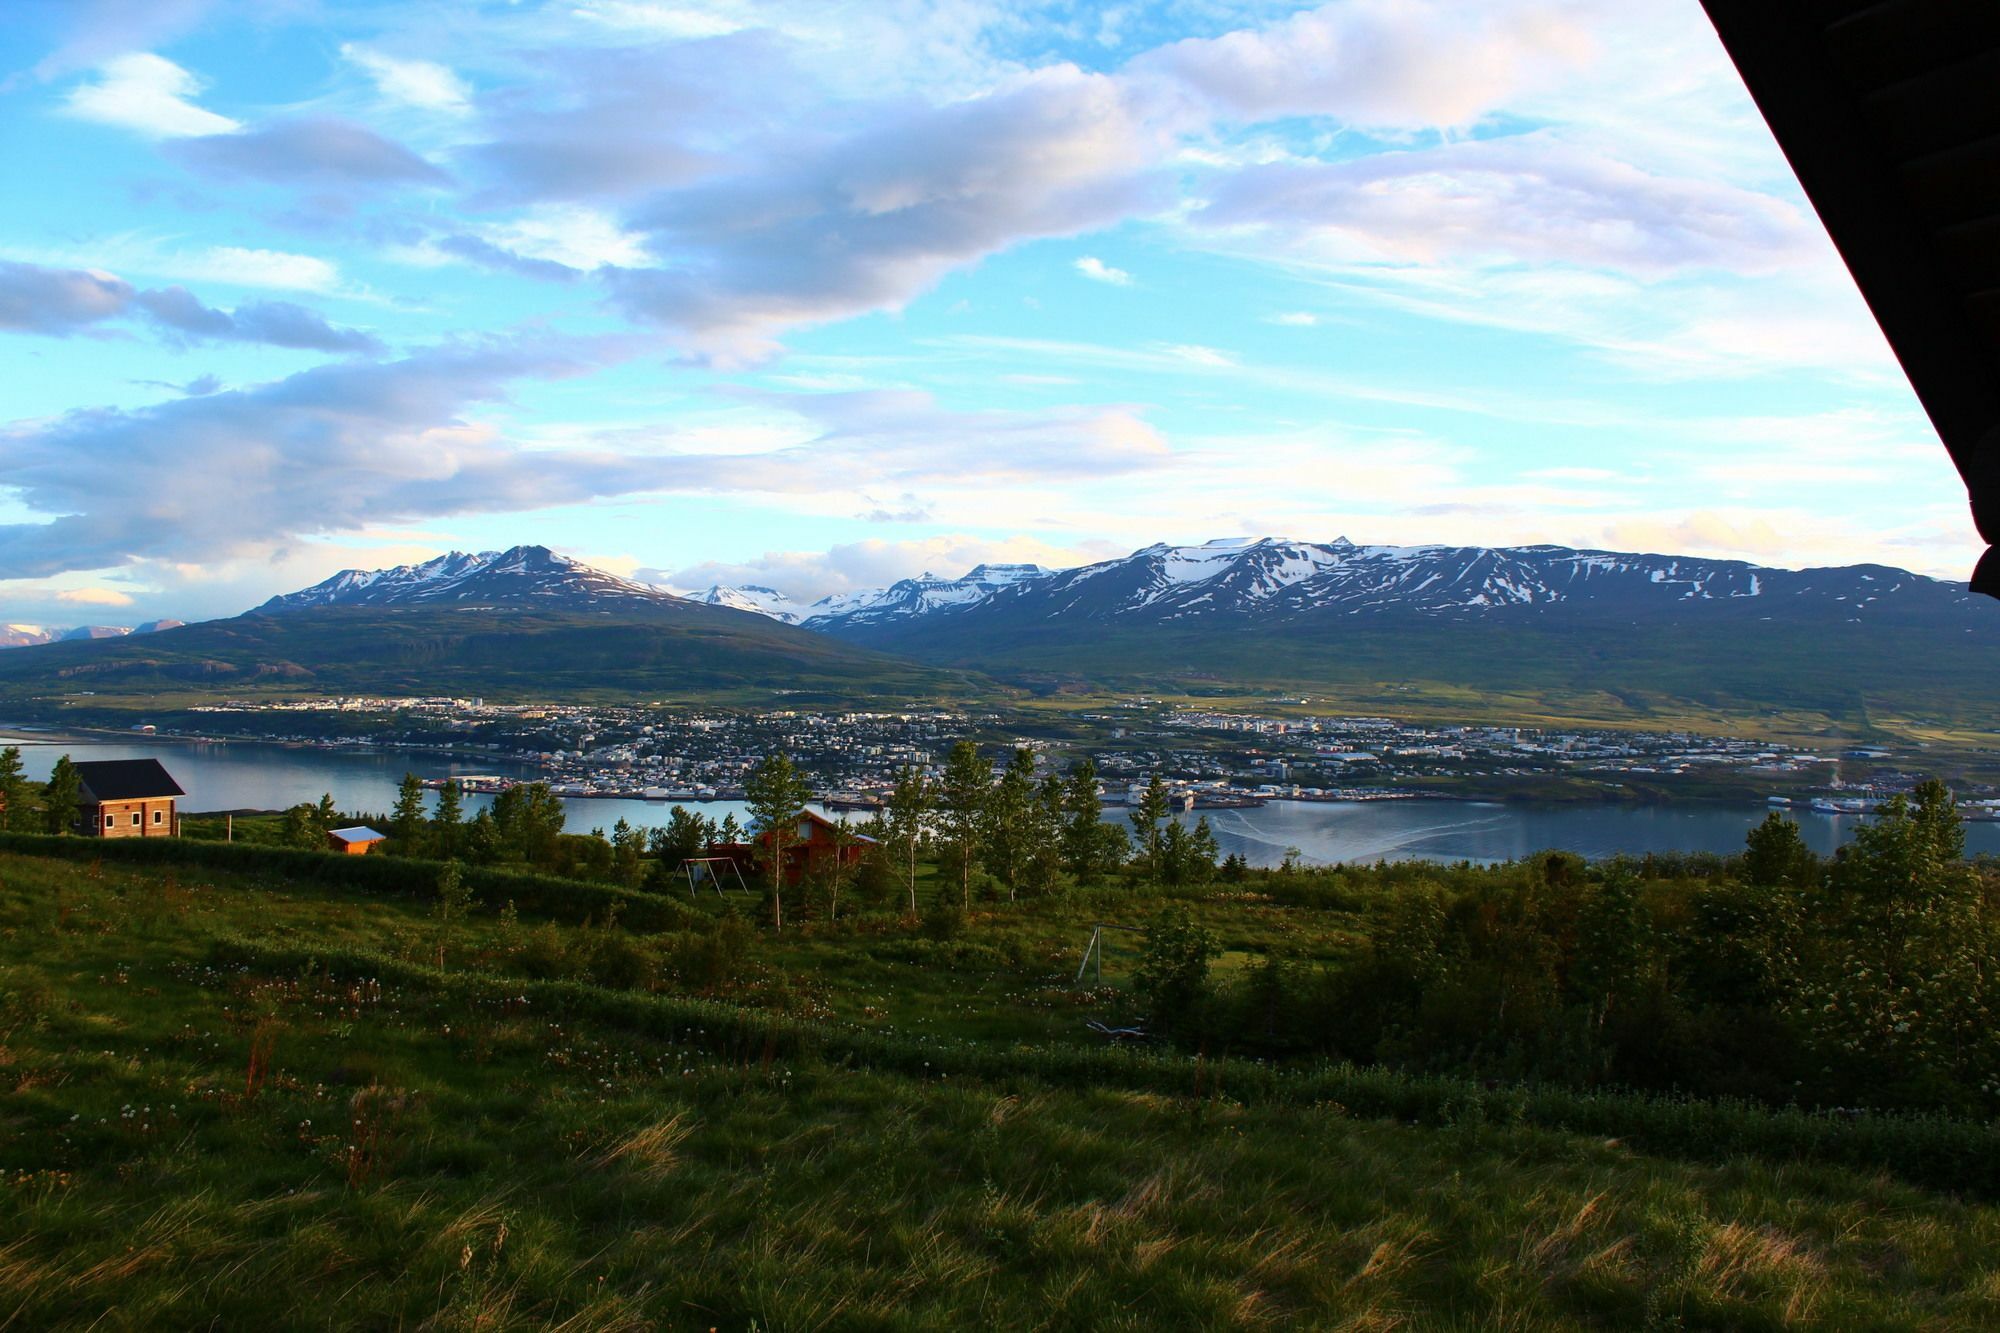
1173,974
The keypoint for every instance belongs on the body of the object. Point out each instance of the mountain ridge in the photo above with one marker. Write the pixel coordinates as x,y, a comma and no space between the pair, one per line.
1275,578
518,574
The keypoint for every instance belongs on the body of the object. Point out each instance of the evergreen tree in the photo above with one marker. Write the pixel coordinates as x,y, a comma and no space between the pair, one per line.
1009,834
1206,851
1170,862
1044,835
327,814
968,782
1187,856
776,793
730,832
1083,815
1775,855
628,847
13,790
909,807
62,797
481,839
686,835
527,821
1146,817
406,821
447,820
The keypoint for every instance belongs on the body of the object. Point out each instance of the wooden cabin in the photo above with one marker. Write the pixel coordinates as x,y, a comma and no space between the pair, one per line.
357,841
813,844
127,798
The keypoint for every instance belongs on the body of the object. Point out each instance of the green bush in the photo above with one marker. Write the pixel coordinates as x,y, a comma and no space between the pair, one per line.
564,900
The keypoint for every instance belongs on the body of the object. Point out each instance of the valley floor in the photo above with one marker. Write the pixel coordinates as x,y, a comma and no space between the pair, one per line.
244,1101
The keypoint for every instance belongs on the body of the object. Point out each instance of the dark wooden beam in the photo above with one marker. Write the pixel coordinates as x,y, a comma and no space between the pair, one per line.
1884,108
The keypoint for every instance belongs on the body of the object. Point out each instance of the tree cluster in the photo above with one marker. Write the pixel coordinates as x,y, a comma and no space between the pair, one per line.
1870,978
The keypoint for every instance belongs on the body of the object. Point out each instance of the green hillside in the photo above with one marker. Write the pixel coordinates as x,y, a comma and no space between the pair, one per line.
257,1089
1851,675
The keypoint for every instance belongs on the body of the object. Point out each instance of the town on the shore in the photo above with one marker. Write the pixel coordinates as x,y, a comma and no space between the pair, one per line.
1211,758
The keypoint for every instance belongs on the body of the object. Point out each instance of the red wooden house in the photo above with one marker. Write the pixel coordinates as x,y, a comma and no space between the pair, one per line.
126,798
813,844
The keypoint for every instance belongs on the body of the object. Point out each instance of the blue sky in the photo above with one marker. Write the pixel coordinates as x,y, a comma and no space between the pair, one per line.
818,295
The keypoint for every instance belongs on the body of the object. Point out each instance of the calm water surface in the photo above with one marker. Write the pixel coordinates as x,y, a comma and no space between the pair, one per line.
253,775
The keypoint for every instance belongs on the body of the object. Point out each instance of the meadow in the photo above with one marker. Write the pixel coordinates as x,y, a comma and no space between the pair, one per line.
253,1090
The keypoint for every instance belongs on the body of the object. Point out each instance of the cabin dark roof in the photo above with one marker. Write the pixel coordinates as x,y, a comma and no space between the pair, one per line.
126,780
1890,113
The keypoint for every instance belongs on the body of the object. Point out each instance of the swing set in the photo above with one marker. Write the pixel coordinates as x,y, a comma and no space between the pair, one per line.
700,870
1093,953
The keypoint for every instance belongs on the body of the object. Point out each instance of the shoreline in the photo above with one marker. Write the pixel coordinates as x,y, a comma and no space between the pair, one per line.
1529,792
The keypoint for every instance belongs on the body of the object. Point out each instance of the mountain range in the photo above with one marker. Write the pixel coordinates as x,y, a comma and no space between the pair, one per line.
1530,628
28,636
519,623
1274,581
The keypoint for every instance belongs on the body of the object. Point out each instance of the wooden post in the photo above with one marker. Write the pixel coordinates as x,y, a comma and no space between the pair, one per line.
229,828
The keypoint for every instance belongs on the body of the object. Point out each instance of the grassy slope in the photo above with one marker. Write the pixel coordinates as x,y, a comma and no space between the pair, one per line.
431,1151
1637,674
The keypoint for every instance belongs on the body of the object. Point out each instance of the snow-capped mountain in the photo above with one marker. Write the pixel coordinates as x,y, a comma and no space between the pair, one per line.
751,597
924,595
532,575
906,599
1272,581
27,636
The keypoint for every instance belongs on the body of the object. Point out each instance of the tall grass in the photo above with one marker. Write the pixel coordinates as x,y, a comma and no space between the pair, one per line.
234,1105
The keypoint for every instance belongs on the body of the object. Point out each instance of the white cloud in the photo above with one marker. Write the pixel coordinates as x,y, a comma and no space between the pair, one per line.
418,83
1522,199
1090,266
879,215
806,576
1377,63
243,471
1296,319
234,265
94,597
570,234
148,94
680,22
1196,354
263,268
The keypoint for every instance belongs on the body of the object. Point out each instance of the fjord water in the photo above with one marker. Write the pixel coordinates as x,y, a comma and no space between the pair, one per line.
255,775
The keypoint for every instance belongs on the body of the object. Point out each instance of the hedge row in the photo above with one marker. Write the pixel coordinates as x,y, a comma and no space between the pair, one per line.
543,896
1939,1152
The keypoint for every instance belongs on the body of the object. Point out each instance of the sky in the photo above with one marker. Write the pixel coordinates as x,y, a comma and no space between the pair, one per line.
816,295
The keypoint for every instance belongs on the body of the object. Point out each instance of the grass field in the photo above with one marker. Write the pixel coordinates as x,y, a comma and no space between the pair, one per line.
241,1101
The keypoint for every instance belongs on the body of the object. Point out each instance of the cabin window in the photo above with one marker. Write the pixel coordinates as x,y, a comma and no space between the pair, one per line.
136,819
159,816
110,821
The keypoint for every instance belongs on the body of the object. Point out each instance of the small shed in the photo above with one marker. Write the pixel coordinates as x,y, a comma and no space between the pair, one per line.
126,798
356,841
